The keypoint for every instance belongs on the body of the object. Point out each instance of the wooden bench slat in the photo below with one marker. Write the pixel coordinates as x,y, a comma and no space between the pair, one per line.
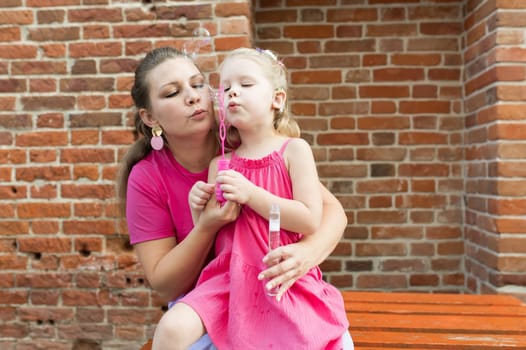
432,309
427,298
382,348
364,339
439,323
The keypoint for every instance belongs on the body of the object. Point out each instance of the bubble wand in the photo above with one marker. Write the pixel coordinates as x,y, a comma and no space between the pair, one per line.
222,163
191,48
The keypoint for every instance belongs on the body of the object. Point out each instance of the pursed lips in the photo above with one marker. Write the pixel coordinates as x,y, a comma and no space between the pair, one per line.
197,112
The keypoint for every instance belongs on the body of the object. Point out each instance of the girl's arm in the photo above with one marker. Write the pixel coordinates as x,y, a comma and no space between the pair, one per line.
301,214
172,268
297,258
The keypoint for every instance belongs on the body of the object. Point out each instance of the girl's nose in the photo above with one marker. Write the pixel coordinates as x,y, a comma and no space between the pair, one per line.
232,92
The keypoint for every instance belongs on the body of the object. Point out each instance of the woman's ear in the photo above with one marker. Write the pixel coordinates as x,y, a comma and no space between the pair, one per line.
280,98
146,117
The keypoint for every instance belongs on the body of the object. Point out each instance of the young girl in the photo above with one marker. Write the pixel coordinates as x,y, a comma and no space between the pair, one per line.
270,166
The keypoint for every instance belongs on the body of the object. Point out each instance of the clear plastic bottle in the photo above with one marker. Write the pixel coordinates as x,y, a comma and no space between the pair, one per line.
274,240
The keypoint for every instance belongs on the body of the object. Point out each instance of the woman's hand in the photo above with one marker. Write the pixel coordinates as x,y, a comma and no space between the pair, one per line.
294,262
296,259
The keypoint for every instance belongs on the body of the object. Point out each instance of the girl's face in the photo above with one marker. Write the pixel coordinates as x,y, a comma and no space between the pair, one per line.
180,99
249,96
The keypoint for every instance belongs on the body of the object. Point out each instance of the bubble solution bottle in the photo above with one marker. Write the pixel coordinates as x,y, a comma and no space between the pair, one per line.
222,164
274,237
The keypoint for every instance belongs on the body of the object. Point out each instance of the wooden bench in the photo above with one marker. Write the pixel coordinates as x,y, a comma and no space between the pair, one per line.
388,321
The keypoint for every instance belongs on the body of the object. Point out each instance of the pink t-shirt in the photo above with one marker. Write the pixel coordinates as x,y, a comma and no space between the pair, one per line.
157,198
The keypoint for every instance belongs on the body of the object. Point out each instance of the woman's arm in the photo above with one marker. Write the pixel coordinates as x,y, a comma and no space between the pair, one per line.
171,268
298,258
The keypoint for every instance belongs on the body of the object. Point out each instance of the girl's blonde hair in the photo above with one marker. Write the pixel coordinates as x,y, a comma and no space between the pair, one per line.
276,73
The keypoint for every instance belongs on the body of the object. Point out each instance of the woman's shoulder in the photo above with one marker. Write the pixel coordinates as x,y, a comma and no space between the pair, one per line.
144,165
151,166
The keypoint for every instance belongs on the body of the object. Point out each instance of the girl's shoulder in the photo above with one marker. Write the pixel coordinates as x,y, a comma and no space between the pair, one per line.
295,145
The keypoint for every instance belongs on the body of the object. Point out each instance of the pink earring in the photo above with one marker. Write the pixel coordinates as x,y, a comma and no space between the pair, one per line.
157,141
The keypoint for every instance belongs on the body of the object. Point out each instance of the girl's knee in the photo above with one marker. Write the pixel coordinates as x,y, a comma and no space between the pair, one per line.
172,325
178,328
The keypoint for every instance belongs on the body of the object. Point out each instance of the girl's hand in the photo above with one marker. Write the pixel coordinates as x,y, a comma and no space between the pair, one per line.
199,195
235,186
294,262
215,215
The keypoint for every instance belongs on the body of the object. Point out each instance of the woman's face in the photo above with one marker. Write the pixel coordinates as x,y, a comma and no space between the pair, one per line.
180,99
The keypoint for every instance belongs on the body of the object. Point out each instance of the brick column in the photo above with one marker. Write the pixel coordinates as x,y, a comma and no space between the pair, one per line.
495,106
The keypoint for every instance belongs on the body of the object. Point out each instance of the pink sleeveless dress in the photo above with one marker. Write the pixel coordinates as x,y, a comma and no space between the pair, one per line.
232,302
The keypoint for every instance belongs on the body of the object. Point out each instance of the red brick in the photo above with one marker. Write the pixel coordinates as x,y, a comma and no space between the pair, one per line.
424,280
43,210
308,31
382,281
383,91
19,17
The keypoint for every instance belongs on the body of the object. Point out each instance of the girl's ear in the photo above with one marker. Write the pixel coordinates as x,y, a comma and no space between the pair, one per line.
280,98
146,117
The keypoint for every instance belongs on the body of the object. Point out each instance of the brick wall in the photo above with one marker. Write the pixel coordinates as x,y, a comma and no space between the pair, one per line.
378,91
495,91
433,183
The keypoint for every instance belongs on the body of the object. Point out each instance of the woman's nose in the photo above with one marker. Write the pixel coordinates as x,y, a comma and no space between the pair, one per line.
193,97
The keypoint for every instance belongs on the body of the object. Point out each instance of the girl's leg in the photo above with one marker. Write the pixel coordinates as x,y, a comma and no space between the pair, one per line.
179,328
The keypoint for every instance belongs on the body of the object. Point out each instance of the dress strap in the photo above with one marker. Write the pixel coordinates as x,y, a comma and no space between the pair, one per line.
284,145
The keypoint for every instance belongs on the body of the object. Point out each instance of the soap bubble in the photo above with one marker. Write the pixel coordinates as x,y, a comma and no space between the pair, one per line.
201,38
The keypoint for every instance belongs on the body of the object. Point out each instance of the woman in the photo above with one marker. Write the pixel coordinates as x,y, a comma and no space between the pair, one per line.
171,97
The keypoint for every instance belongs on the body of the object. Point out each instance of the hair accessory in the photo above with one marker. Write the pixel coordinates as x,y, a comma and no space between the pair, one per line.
272,55
268,53
157,141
